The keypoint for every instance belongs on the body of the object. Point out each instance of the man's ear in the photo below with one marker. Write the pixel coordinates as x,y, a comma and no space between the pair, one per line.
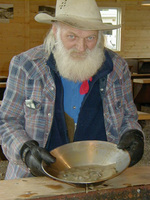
54,29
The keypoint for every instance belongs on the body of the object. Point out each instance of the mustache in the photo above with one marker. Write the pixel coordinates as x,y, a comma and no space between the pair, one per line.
77,53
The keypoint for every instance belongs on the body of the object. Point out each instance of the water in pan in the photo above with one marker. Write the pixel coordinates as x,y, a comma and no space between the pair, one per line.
91,173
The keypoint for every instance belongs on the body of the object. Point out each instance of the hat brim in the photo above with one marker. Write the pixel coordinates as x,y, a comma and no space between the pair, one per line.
76,22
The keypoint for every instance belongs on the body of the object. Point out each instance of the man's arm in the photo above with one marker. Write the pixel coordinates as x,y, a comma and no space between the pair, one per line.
12,120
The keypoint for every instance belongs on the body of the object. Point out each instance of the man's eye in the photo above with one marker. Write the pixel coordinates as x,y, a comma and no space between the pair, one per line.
91,38
71,36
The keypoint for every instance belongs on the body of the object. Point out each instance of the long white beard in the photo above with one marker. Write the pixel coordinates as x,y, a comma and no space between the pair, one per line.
77,66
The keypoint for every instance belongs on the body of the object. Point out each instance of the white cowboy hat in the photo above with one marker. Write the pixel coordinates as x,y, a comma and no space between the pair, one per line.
82,14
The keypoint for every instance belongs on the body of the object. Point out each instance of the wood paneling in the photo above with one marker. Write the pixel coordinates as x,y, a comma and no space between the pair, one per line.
23,33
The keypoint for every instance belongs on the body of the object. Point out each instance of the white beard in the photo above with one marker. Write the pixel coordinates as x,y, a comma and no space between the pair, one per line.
77,66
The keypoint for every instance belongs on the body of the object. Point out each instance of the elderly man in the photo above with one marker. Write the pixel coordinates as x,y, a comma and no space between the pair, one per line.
69,89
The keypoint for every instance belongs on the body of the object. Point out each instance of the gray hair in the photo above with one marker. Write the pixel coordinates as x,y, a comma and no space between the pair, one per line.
49,42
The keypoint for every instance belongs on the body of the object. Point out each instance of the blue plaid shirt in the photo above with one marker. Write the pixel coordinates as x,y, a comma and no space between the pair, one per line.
27,109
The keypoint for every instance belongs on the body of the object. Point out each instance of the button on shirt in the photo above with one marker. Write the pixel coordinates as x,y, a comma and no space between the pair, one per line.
72,98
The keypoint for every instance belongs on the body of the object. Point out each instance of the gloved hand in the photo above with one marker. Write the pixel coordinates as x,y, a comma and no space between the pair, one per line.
33,155
133,142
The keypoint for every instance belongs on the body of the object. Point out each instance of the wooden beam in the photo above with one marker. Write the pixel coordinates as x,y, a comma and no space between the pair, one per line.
143,116
142,80
2,84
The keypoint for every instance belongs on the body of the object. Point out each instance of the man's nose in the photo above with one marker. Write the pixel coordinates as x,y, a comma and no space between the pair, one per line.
81,45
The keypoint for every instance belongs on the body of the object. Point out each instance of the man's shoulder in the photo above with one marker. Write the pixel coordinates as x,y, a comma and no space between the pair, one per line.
34,53
114,55
119,63
32,62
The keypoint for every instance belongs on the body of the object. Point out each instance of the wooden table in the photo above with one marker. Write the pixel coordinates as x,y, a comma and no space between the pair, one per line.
3,78
141,91
136,75
143,116
2,84
142,80
133,183
141,63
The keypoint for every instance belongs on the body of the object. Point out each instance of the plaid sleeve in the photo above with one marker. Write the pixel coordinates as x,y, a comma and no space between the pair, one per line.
119,109
130,120
11,112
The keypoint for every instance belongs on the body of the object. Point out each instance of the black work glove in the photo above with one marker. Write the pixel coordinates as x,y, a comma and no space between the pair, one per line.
33,155
133,142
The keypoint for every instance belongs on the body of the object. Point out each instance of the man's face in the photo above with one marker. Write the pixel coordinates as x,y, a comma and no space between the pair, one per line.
78,54
78,40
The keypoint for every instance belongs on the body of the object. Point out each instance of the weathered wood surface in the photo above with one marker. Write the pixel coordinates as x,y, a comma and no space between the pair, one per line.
38,187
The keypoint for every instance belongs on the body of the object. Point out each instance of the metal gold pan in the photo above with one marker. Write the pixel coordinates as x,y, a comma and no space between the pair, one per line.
110,160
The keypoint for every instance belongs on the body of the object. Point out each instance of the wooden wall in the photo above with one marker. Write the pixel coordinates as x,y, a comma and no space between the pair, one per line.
135,32
22,32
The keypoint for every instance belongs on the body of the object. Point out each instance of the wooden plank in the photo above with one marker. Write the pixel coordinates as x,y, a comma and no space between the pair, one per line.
140,75
2,85
27,22
143,116
41,187
3,78
19,45
142,80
